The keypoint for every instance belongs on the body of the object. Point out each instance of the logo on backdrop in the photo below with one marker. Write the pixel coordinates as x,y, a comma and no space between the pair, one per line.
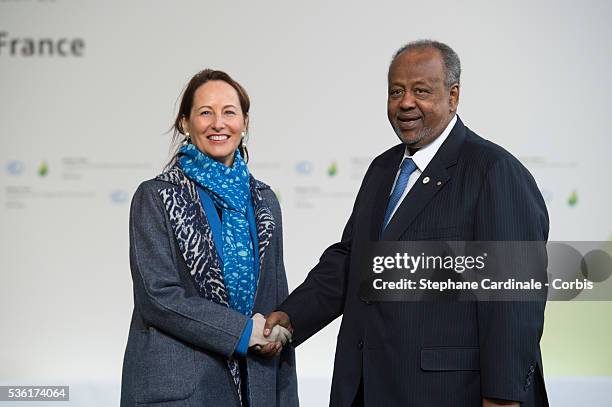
118,196
332,170
572,200
15,167
15,46
303,167
43,169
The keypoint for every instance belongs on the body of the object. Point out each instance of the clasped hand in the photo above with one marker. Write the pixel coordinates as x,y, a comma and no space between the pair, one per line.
270,344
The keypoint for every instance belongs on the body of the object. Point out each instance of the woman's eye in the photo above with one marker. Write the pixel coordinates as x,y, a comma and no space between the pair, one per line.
205,113
230,112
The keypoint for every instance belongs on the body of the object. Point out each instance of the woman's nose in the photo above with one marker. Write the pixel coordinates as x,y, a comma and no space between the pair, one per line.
218,123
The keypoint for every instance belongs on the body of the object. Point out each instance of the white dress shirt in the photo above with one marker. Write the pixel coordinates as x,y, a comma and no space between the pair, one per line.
421,158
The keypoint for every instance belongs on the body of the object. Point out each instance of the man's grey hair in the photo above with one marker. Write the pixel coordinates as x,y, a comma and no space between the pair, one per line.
450,58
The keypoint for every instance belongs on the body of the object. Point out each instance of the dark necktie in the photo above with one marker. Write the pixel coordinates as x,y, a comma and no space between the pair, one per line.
408,166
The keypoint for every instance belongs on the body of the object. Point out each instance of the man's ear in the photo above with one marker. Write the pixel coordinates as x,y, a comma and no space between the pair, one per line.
454,97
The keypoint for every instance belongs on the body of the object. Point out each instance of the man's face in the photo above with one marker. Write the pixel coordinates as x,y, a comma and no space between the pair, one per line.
420,105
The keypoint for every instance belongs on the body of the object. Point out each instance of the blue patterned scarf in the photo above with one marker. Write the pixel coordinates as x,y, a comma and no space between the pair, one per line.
229,189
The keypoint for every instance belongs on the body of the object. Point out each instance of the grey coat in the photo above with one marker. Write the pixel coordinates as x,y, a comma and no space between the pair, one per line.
179,341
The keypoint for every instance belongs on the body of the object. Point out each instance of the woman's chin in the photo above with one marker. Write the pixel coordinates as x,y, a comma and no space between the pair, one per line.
218,152
225,157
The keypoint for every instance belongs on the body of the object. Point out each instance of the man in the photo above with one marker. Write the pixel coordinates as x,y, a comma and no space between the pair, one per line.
443,182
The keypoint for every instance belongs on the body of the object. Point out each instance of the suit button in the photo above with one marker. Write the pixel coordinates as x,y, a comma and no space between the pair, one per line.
360,345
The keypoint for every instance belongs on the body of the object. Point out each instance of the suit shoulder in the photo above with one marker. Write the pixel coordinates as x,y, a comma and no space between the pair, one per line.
386,159
269,195
147,196
265,190
388,155
153,185
271,199
485,154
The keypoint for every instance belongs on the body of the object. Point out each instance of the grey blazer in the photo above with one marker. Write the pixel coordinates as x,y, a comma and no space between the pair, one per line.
179,341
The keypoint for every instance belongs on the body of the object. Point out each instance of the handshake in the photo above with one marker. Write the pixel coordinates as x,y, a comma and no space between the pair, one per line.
269,336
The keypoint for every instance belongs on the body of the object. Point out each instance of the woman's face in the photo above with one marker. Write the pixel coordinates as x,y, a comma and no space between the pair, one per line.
216,121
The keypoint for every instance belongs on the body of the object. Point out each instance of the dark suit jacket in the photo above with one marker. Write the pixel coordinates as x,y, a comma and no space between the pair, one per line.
429,354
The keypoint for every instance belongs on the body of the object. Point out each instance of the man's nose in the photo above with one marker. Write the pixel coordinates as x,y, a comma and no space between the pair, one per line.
407,101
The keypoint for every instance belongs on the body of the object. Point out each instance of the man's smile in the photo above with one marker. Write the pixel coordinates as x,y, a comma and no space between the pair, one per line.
408,122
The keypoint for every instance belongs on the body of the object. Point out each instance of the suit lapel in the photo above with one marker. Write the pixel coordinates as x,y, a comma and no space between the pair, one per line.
193,235
385,178
436,175
418,197
263,219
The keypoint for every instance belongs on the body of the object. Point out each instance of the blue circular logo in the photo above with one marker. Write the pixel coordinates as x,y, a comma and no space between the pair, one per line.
15,167
303,167
119,196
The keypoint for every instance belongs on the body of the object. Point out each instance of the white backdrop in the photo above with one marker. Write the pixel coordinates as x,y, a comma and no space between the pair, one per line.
80,132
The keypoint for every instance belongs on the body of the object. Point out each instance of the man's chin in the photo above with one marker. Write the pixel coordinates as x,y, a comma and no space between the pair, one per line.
412,139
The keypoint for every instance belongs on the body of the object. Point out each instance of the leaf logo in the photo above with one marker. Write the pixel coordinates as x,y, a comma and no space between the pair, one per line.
332,170
43,169
573,199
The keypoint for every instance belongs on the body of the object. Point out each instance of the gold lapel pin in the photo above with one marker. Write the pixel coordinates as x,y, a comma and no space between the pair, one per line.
425,180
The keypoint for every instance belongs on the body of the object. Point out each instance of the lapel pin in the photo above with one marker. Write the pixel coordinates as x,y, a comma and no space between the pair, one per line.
425,180
439,183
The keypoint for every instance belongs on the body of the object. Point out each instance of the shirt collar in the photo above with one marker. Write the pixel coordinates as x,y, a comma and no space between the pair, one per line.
422,157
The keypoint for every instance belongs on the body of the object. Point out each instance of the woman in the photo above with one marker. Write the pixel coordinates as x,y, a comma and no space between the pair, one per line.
206,262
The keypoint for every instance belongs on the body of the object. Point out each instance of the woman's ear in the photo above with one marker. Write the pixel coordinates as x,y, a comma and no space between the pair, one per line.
185,125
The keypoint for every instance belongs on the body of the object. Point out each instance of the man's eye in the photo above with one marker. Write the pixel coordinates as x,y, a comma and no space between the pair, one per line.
396,92
420,91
